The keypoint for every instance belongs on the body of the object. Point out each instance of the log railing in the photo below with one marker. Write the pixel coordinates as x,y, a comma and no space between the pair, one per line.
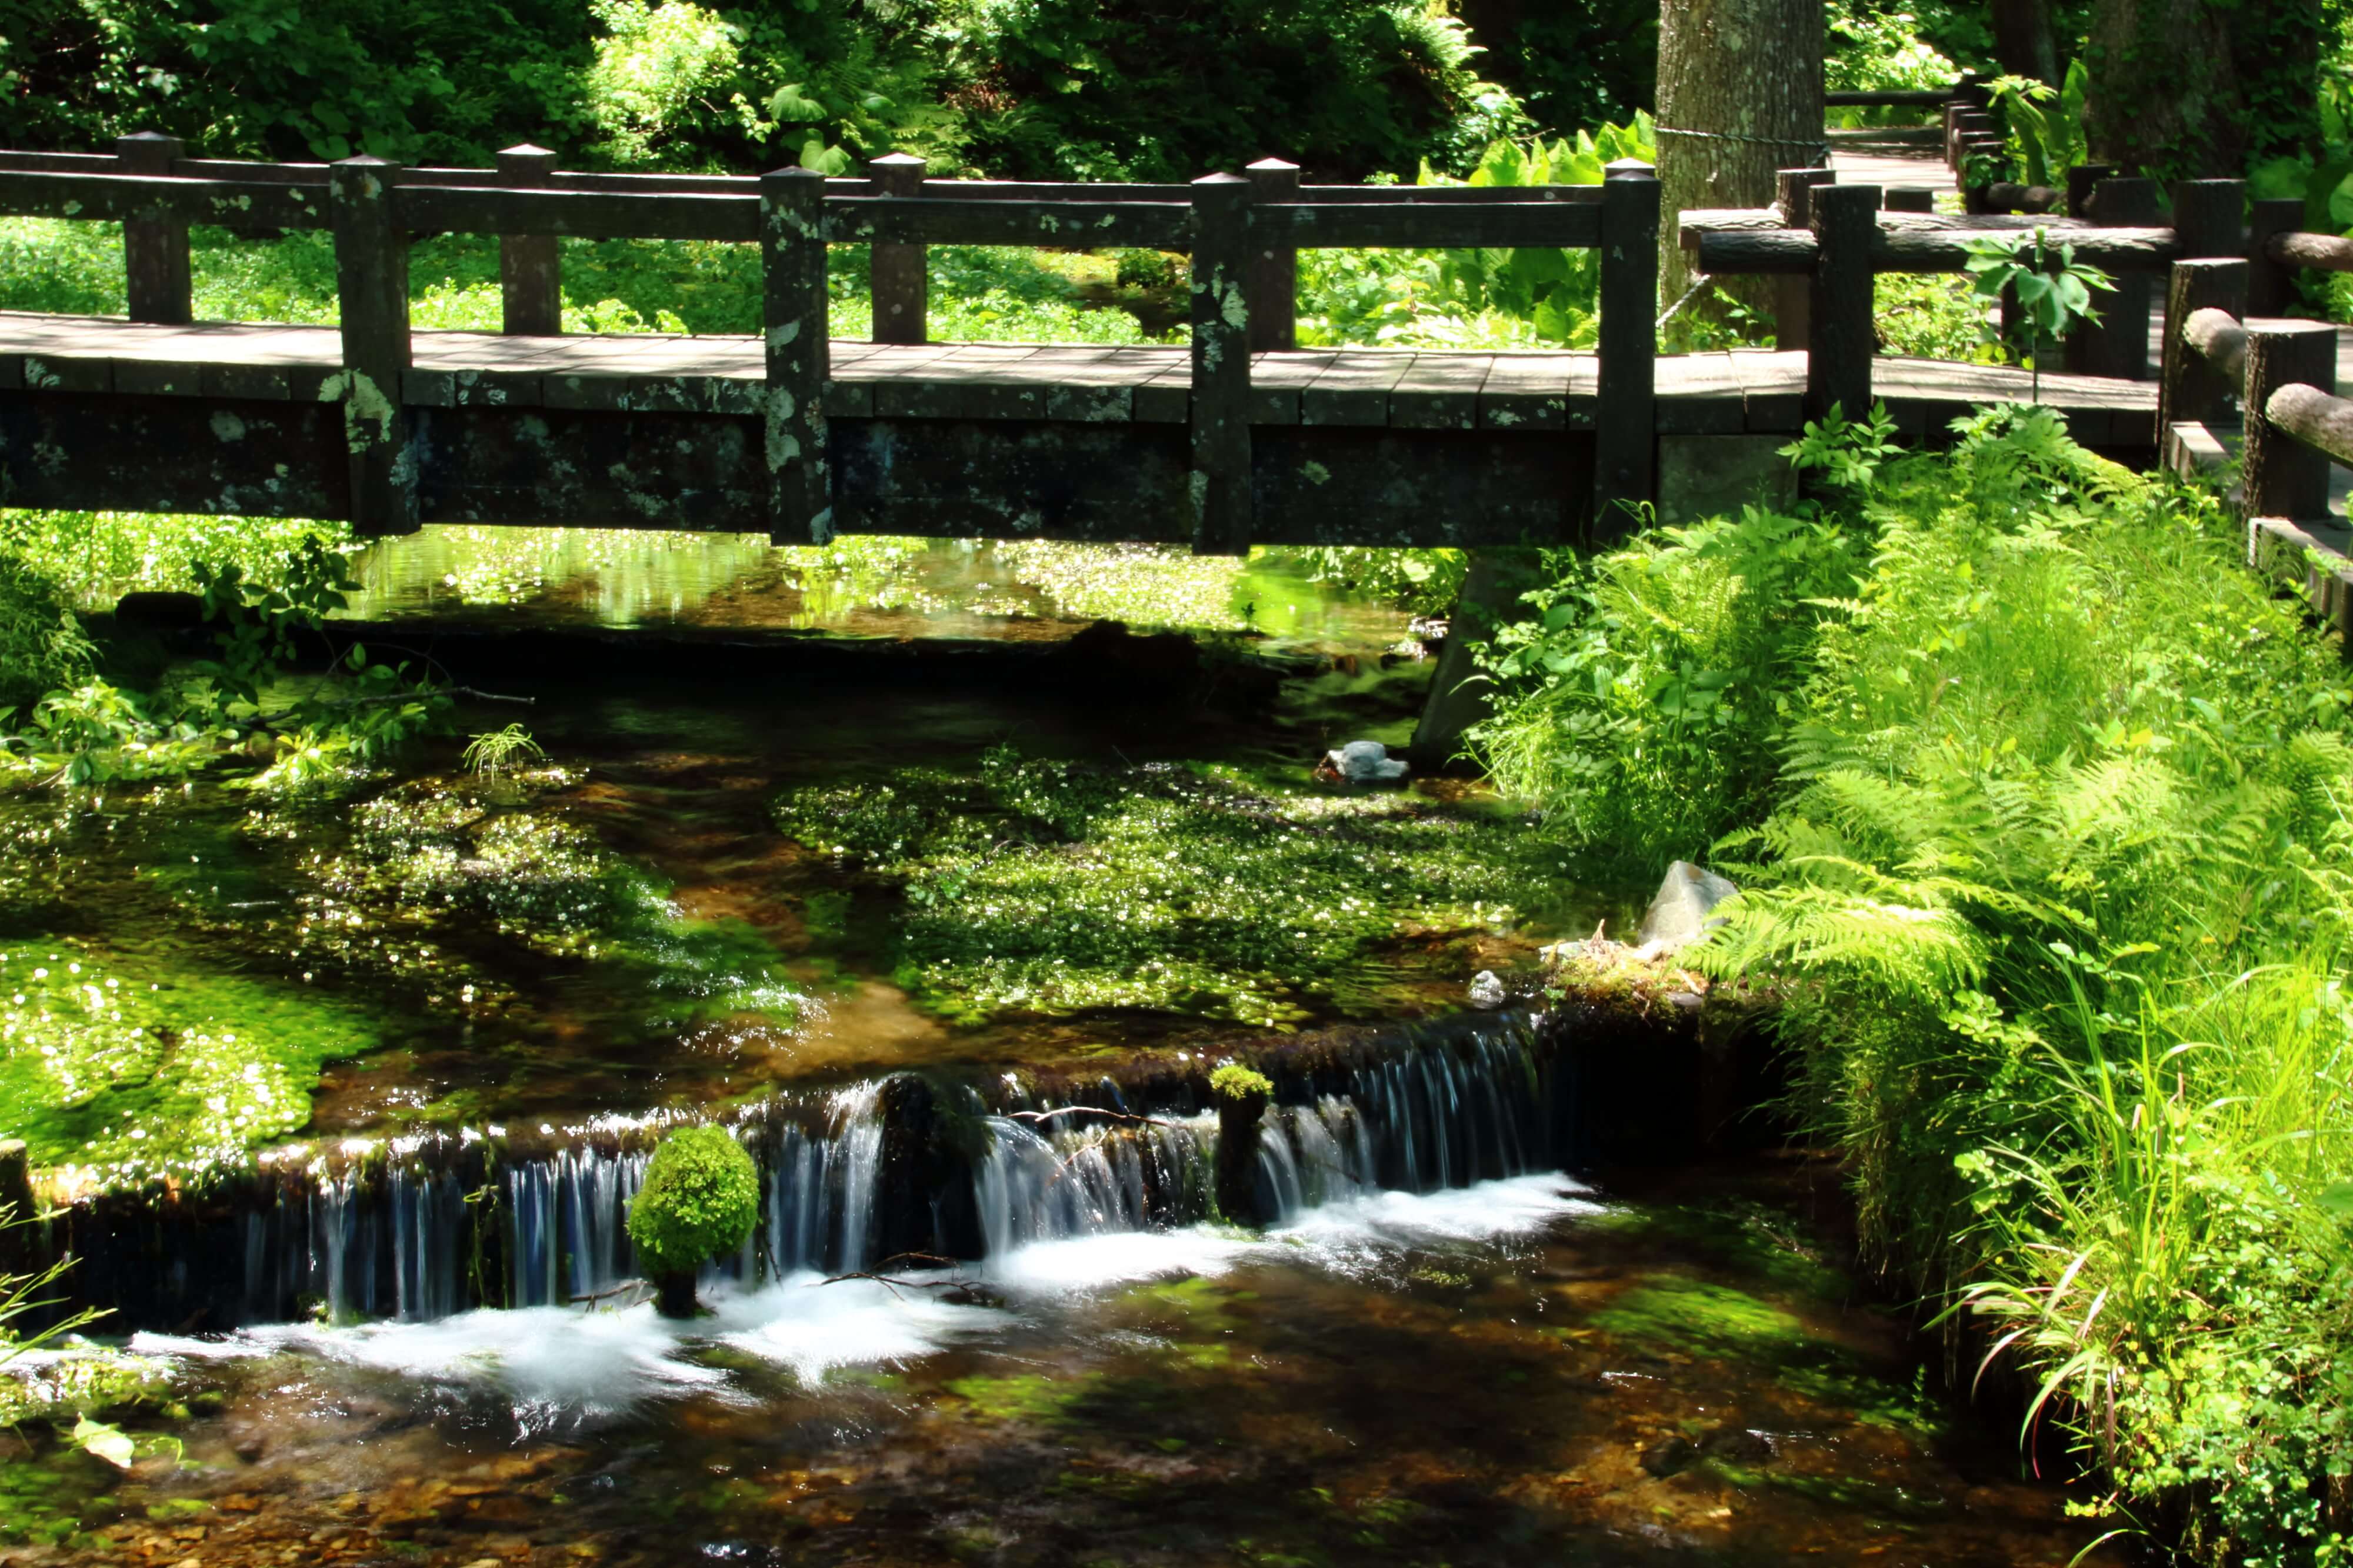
2225,343
1243,234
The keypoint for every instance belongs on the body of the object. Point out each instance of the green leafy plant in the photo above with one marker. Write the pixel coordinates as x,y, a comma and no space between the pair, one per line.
491,753
2052,290
2044,125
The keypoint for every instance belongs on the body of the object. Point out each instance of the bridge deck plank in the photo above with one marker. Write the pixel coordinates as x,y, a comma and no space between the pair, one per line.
1713,393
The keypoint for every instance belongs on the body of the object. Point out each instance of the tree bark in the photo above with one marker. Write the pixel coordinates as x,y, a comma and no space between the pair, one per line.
2023,41
1746,75
2199,89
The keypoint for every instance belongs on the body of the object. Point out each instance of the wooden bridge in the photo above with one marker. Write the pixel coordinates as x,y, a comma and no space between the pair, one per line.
1241,437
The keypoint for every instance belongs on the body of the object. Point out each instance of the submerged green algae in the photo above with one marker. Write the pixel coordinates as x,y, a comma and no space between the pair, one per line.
449,881
1041,887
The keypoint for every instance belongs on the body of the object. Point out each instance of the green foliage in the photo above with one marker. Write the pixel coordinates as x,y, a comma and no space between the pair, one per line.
1342,87
2043,125
2054,290
2058,851
1486,298
1231,1081
1875,50
701,1199
1426,582
42,644
492,753
1036,89
1645,701
1929,315
1036,887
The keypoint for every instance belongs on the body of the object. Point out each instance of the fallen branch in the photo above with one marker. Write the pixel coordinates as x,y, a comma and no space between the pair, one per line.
1086,1111
600,1295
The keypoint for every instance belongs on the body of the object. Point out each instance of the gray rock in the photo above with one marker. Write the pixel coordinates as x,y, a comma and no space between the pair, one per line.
1487,990
1360,763
1679,913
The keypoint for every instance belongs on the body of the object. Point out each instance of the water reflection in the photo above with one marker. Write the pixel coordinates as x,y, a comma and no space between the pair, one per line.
861,585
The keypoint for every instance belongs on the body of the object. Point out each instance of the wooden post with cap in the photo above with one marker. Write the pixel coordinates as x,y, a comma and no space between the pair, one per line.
1220,428
897,273
157,286
793,336
1273,279
530,268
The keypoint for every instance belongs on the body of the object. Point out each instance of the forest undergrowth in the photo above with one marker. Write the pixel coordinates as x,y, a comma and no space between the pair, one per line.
2037,801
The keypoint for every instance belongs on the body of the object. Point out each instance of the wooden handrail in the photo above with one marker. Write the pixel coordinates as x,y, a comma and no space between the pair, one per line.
2321,420
1913,247
2319,252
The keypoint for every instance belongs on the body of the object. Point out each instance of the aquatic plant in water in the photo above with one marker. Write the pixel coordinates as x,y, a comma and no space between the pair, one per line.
128,1070
1034,886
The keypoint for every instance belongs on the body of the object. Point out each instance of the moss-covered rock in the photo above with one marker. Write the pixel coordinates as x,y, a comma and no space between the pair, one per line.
701,1199
1242,1094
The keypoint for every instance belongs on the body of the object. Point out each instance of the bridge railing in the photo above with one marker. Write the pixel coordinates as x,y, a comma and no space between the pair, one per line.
1242,235
1835,240
2225,343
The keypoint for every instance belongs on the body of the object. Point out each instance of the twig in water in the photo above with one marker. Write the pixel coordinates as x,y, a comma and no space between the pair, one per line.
1085,1110
597,1295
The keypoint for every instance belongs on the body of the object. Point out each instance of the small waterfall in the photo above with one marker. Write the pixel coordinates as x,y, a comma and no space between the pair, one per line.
1035,1187
421,1227
853,1166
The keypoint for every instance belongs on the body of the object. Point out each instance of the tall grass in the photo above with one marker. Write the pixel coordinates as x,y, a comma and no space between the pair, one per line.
2041,829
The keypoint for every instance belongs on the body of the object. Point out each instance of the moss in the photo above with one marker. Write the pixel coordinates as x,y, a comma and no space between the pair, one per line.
1696,1316
1038,887
134,1067
1026,1397
1235,1081
701,1199
434,861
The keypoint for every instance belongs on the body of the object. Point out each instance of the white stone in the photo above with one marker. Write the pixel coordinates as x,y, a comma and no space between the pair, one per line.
1680,912
1363,762
1487,990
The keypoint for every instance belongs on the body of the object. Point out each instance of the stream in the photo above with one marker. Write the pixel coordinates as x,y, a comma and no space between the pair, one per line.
371,1278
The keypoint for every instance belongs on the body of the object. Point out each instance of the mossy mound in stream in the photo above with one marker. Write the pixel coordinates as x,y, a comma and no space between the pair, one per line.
1045,886
133,1070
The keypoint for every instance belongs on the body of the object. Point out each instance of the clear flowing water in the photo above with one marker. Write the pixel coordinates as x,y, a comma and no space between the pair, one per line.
1445,1347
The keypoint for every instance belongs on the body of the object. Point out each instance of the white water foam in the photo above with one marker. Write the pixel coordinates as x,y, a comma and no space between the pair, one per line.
558,1366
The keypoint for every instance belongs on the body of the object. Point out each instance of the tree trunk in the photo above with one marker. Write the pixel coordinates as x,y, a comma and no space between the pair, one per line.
2190,88
1748,74
2023,42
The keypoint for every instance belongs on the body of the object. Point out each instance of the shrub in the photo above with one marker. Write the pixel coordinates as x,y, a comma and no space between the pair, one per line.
701,1199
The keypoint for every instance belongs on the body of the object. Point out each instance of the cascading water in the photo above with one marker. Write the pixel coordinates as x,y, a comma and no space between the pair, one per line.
423,1227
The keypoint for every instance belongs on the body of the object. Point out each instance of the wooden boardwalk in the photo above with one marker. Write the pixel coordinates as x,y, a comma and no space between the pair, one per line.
975,439
1700,394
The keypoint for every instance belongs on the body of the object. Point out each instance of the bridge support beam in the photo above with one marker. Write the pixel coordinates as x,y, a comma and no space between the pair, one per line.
793,327
1625,459
1221,333
372,295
